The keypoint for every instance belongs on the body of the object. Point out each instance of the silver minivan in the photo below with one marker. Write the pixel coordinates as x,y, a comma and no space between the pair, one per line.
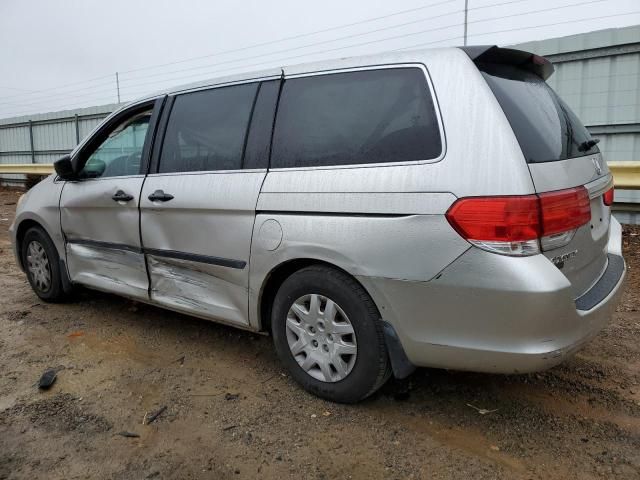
436,208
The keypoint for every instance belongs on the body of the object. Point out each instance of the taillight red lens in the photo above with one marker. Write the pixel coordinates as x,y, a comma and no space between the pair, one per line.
564,210
501,219
520,218
607,198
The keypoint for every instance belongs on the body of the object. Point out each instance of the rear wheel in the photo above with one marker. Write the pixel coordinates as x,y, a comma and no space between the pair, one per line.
327,332
42,265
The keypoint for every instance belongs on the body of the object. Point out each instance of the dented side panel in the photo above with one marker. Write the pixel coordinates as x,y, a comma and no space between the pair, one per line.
194,287
209,222
103,238
402,248
108,269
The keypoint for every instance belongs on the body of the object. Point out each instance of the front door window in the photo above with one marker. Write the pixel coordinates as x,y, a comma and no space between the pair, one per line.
120,153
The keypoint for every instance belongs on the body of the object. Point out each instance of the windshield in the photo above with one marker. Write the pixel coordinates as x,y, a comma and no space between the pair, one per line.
543,123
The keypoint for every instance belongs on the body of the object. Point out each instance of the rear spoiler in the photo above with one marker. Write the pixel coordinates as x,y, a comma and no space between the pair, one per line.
525,60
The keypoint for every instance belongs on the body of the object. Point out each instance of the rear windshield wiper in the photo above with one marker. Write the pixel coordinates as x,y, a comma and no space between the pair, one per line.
588,144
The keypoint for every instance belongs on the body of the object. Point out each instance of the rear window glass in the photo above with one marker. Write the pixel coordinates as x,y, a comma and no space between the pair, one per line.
543,123
363,117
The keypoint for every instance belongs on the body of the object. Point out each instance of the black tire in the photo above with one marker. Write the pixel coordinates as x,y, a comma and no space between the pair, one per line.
55,292
371,368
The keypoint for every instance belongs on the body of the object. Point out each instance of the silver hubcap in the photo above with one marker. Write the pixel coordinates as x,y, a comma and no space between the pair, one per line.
38,266
321,338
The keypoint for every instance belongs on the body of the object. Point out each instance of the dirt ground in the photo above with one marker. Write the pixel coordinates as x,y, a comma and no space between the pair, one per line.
233,413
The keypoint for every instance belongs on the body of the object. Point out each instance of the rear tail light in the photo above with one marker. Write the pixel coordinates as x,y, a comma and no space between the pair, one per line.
521,225
507,225
607,198
563,212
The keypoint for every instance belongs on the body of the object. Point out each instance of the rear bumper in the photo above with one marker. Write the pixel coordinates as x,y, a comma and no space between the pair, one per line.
492,313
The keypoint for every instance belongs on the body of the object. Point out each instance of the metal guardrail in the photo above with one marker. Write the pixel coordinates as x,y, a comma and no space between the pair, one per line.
626,175
27,168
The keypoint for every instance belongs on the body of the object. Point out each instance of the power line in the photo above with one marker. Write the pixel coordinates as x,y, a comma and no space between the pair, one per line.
65,94
272,42
557,23
360,34
480,7
60,86
399,36
518,29
369,42
247,47
60,94
293,37
15,88
67,106
124,80
87,94
300,47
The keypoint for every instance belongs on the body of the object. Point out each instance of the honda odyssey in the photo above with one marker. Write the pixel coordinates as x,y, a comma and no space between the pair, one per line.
435,208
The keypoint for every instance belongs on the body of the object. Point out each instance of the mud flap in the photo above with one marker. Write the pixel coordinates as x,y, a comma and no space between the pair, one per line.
67,286
400,364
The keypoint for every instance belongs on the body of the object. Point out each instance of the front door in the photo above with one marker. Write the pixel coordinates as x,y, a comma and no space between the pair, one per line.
198,207
100,211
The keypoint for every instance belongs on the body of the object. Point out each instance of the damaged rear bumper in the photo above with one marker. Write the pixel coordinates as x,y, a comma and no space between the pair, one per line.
497,314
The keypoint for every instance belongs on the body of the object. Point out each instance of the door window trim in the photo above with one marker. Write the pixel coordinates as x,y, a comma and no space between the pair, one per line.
100,135
163,122
431,91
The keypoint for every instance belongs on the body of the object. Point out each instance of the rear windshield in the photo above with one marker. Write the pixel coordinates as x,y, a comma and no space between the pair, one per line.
544,125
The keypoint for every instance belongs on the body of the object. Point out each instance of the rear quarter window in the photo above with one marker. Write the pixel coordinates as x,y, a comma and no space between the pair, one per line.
353,118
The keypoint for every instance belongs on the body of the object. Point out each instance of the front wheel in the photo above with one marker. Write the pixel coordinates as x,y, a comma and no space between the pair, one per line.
42,265
327,332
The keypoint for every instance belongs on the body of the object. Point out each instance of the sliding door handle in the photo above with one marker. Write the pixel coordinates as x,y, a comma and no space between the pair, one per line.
121,196
160,196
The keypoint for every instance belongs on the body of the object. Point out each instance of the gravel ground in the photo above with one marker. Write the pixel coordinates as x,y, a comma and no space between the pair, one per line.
233,413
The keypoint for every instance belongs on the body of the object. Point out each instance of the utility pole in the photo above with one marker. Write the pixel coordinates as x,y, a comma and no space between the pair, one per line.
118,79
466,14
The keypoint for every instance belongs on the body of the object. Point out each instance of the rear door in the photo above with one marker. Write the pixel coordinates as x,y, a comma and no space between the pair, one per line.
198,203
561,154
99,212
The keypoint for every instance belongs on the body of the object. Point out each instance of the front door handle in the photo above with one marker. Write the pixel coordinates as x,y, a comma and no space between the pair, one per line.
160,196
120,196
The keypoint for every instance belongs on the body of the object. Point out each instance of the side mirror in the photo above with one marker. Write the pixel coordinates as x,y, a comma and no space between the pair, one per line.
64,168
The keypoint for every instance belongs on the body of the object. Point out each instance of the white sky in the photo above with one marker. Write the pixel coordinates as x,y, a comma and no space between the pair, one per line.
53,51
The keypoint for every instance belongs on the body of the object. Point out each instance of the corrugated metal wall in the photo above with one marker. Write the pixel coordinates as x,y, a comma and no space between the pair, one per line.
52,134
